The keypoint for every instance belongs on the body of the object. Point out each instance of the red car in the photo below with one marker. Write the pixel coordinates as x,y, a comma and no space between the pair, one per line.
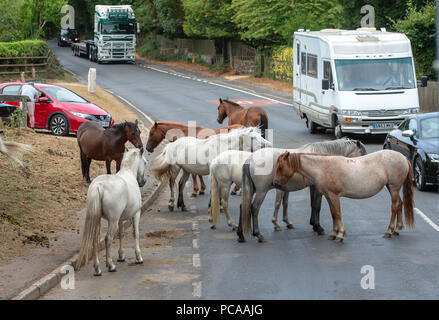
60,110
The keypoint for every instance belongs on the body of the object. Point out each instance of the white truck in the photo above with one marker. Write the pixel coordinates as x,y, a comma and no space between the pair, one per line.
115,30
356,81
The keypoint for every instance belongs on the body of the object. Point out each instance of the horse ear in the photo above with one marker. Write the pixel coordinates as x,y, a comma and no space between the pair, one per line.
358,144
155,124
221,100
136,122
286,155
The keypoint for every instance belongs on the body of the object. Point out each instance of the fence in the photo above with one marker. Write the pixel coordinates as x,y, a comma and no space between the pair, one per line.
31,65
428,97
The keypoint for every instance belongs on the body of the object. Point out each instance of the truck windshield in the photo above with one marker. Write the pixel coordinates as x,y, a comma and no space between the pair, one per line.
375,75
118,28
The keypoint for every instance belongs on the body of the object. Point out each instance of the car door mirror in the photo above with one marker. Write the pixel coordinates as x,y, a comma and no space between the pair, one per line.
325,84
44,100
408,134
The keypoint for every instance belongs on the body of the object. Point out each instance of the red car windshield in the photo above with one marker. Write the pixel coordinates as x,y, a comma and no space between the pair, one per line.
64,95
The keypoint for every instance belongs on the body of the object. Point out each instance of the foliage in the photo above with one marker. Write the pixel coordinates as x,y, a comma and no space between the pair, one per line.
282,63
419,26
29,48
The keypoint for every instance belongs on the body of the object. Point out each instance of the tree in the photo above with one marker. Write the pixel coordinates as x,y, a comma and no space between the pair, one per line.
9,21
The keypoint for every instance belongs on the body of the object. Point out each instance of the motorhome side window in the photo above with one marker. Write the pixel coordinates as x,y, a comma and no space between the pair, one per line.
303,60
298,54
311,65
327,73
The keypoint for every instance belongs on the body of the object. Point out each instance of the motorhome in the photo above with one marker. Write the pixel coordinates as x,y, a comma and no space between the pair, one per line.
353,81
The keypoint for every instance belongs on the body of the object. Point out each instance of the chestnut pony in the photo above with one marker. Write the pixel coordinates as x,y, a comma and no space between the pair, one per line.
355,178
171,131
98,143
251,117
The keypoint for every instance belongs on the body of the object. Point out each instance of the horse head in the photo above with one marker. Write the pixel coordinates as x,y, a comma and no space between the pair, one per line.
156,135
141,180
132,133
253,140
358,149
286,165
221,111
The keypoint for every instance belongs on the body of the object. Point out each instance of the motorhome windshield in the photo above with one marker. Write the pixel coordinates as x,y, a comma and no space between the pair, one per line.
118,28
375,75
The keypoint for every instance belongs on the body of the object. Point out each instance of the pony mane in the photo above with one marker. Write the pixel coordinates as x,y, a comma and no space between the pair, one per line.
332,146
130,157
231,102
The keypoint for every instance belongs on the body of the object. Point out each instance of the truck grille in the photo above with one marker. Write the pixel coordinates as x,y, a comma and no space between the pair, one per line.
383,113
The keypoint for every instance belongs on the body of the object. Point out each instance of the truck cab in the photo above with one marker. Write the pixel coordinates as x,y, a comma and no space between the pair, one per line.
357,81
115,30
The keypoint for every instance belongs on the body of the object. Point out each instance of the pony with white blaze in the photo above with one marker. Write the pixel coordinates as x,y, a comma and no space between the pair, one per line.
194,156
225,169
115,198
258,172
15,151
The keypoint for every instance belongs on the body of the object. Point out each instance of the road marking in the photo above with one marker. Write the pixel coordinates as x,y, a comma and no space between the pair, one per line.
196,260
194,226
427,219
196,292
195,244
221,85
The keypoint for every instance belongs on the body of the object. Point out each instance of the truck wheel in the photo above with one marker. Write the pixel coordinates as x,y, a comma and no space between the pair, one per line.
312,127
337,130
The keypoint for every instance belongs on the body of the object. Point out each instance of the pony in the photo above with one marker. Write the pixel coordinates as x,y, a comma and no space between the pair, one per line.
251,117
225,169
171,131
98,143
194,155
258,173
359,178
14,151
115,198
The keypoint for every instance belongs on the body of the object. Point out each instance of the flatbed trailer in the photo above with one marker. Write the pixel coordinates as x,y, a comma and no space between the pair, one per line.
86,48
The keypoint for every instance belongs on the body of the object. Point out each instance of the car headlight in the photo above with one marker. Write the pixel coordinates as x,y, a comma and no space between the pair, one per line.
82,115
62,38
434,157
411,111
351,113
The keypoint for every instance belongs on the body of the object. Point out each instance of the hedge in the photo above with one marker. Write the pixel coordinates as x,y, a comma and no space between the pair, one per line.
26,48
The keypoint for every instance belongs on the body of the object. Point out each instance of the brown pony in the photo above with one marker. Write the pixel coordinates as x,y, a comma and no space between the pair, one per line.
355,178
107,145
174,130
251,117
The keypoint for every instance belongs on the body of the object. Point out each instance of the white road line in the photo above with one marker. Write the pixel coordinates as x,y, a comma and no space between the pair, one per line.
196,292
196,260
133,106
194,226
427,219
195,244
224,86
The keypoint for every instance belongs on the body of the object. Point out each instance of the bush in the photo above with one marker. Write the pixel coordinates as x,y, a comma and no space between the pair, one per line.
150,48
419,26
282,63
26,48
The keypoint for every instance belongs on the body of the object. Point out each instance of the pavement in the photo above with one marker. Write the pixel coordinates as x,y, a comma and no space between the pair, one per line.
201,263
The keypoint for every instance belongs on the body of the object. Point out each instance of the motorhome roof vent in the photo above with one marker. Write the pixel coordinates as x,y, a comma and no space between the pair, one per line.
366,37
301,30
366,29
383,30
330,30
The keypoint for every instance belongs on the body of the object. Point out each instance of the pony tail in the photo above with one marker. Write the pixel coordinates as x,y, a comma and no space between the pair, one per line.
160,167
215,199
263,125
92,225
408,198
247,192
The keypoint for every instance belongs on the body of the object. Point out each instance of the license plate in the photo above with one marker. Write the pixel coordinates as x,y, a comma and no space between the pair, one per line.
105,123
383,125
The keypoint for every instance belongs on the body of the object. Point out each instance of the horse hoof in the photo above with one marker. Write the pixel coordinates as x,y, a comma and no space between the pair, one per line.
139,261
395,233
338,240
201,193
112,269
193,195
321,232
98,274
290,226
183,208
234,228
213,227
241,239
331,237
261,239
120,259
276,228
171,208
387,235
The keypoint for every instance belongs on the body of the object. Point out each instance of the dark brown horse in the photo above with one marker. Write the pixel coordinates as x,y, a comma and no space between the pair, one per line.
174,130
251,117
107,145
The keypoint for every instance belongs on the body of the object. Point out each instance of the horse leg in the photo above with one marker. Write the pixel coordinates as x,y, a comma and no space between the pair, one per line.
118,163
181,185
277,202
285,211
195,189
338,231
396,200
203,185
88,170
225,202
112,229
83,164
137,251
121,257
256,205
108,165
96,266
316,203
171,187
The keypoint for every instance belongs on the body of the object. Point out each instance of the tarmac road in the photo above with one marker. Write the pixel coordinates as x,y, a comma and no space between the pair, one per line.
292,264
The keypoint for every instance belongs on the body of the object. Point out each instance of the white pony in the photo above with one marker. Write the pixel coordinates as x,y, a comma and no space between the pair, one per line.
115,198
225,169
194,156
14,151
